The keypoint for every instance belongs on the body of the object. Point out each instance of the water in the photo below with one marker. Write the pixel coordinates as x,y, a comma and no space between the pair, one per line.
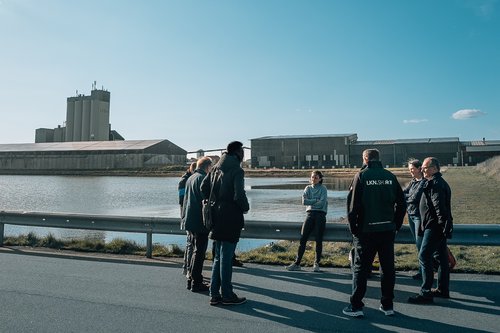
271,199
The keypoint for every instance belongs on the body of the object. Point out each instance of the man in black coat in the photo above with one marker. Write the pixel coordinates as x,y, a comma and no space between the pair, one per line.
436,227
231,203
375,213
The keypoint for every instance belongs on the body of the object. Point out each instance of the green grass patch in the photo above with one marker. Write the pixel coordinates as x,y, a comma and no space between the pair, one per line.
470,259
116,246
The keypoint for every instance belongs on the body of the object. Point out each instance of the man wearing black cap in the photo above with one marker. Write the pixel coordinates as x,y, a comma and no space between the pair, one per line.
231,203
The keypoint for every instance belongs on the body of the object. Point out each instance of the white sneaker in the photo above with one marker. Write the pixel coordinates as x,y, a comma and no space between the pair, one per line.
351,312
293,267
388,311
316,267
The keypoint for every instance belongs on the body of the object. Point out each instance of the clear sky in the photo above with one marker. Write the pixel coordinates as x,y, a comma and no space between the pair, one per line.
203,73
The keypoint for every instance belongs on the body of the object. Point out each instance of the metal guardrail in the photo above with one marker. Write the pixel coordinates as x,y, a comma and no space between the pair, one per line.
463,234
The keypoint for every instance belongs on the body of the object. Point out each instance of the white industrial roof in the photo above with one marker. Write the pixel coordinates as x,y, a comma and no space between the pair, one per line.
402,141
303,136
79,146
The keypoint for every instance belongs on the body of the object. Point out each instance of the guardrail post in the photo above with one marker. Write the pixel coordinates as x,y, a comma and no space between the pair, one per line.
1,233
149,244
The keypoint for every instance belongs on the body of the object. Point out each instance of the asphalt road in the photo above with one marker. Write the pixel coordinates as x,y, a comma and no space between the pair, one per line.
49,292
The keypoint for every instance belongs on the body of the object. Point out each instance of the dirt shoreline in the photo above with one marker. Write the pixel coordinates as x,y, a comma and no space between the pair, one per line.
291,173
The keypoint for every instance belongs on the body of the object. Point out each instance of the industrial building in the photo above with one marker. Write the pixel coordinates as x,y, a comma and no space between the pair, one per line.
306,151
89,155
87,119
343,150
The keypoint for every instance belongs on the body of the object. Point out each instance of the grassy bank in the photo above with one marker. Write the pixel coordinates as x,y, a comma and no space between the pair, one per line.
116,246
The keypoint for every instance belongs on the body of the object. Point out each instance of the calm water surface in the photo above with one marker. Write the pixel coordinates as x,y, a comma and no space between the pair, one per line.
271,199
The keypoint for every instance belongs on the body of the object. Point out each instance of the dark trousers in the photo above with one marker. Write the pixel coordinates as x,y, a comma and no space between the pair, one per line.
366,245
434,245
188,253
200,243
314,219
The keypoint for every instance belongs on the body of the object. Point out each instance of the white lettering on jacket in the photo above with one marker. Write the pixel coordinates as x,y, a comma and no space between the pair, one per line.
379,182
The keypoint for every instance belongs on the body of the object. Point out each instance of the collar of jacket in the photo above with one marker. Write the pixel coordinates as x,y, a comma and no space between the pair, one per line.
200,171
374,164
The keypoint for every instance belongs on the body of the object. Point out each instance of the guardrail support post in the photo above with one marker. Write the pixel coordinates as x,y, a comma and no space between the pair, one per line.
149,244
1,233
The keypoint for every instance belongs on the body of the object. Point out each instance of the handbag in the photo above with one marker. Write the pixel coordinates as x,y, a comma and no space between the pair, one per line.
209,206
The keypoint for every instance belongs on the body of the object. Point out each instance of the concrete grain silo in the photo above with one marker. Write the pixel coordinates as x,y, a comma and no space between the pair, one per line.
86,120
87,117
70,118
77,125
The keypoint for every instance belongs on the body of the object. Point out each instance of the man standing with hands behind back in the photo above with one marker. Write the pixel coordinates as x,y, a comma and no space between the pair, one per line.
375,213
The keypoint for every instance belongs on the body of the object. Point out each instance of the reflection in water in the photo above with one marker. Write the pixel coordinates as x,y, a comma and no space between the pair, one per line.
335,184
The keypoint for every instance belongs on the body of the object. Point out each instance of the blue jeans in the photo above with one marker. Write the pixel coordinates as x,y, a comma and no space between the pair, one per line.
222,270
433,242
414,223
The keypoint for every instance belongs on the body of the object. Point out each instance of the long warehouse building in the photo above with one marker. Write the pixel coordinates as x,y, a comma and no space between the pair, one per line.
344,150
90,155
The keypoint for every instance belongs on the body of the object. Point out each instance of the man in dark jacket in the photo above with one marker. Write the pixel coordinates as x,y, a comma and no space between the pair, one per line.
181,189
192,217
375,214
436,227
232,203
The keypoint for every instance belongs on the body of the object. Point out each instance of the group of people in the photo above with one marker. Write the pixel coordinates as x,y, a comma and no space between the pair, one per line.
376,206
376,209
232,203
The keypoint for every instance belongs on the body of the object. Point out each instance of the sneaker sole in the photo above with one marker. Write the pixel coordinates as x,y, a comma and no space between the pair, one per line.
230,303
356,314
387,312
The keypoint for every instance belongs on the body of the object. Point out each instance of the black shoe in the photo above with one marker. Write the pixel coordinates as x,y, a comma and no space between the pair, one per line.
438,293
188,283
237,263
417,276
235,300
419,299
215,300
198,288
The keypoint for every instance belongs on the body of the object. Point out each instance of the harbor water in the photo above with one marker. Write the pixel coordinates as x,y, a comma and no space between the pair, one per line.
271,199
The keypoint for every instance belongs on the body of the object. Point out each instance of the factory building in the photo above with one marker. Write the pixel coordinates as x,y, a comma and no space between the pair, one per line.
89,155
475,152
333,151
305,151
397,152
87,119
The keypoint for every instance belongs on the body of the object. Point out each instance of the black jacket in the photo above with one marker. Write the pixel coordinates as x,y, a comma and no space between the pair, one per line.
376,201
230,197
435,205
413,193
182,186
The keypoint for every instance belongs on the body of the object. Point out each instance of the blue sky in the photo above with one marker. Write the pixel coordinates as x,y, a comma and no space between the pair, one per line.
203,73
